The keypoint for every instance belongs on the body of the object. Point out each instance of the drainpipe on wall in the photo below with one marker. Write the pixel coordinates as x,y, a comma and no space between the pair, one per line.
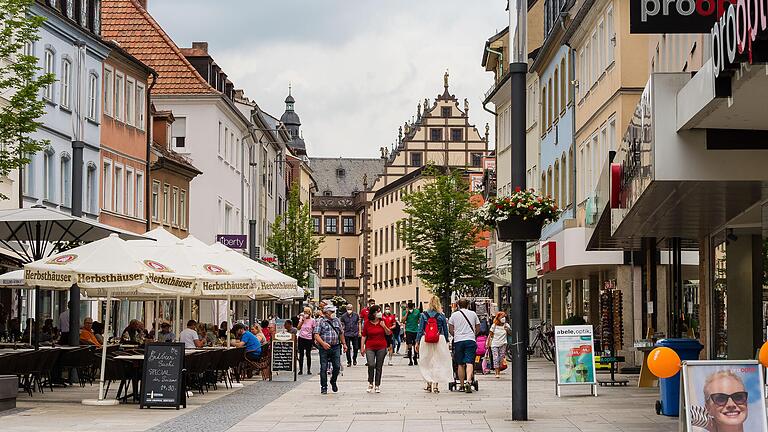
148,176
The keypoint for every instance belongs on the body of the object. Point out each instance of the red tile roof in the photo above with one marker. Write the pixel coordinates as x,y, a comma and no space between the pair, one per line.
130,25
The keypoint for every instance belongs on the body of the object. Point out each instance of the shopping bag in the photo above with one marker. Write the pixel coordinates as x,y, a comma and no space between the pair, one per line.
503,364
486,364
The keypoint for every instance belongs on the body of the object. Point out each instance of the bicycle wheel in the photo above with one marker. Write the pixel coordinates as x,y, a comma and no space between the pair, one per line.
547,351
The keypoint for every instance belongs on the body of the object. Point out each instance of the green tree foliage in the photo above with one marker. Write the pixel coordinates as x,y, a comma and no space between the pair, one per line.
293,242
441,235
20,84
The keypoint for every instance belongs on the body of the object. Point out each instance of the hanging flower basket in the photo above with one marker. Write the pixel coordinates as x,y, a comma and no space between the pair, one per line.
517,229
518,217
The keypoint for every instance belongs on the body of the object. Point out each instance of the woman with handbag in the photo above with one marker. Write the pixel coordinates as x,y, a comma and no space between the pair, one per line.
497,341
432,347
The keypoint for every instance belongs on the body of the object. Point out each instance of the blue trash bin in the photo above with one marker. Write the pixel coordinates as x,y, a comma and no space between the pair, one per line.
669,388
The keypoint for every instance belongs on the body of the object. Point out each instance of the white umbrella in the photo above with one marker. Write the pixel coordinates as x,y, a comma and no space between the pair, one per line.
103,267
271,280
13,279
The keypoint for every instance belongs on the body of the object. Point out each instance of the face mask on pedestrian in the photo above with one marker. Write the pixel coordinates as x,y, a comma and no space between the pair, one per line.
349,309
378,314
503,320
387,311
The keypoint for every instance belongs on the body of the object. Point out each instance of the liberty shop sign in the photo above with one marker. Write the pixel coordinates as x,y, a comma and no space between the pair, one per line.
233,241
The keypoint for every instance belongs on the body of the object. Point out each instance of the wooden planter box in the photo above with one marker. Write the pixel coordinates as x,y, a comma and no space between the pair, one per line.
515,229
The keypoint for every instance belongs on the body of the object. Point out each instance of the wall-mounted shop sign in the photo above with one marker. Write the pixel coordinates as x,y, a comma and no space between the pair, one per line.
739,36
548,257
233,241
676,16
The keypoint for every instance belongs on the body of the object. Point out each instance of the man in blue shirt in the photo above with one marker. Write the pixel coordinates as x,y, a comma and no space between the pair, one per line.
247,340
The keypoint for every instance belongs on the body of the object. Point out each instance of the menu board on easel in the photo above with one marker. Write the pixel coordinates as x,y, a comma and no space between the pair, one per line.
163,379
284,356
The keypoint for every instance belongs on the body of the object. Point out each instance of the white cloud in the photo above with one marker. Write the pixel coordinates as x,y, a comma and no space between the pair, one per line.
357,75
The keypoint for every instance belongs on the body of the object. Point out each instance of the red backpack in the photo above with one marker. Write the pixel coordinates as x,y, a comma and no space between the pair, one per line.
432,332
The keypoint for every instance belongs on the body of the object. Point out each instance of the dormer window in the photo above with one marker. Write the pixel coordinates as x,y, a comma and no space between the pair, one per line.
327,193
341,172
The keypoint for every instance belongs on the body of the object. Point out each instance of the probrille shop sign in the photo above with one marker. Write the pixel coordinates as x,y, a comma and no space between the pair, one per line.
675,16
739,36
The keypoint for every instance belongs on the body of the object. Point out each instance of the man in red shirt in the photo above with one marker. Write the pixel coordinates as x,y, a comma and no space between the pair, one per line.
390,320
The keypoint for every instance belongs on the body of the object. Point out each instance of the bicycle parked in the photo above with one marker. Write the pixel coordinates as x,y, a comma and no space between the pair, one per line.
543,343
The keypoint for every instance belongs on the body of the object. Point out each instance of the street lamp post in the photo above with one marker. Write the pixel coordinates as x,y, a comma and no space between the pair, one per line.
338,266
518,69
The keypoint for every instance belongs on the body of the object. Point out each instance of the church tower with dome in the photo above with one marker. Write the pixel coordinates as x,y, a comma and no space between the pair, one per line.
292,122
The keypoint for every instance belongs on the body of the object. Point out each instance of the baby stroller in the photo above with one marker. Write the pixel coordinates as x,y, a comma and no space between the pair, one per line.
454,385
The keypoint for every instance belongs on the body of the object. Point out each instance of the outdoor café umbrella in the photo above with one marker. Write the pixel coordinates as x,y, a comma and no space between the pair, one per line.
271,281
15,280
101,268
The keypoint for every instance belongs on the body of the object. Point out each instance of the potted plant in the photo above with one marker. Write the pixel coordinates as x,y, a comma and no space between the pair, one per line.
518,217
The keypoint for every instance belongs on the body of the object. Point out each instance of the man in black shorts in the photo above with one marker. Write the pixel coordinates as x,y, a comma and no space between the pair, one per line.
411,320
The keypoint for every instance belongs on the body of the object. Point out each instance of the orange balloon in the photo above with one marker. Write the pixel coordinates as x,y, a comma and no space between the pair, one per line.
663,362
763,355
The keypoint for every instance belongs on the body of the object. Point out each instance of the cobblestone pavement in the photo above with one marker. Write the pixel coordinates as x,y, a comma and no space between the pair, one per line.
402,406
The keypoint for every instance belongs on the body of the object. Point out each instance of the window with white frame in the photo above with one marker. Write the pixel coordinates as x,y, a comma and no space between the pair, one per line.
93,96
65,182
141,103
166,203
563,84
49,176
130,188
227,217
130,101
109,91
556,98
612,142
140,194
232,152
175,206
91,199
49,60
602,45
179,133
595,163
119,190
66,82
218,147
226,143
610,36
119,96
582,74
182,208
594,59
29,176
155,201
106,188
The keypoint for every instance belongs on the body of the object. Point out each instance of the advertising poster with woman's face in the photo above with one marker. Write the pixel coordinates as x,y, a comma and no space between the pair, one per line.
724,396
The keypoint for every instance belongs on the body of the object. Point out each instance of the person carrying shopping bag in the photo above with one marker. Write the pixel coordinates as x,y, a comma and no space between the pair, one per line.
497,341
432,347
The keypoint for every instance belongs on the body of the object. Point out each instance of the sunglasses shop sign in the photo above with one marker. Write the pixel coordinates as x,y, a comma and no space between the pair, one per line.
723,395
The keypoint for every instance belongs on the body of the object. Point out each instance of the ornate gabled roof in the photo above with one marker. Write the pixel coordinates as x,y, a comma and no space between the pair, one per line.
356,174
133,28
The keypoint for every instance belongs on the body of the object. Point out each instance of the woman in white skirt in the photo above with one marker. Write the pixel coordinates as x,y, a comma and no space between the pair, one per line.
432,346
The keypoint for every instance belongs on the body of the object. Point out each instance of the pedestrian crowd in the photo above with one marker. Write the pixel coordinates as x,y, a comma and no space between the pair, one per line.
444,349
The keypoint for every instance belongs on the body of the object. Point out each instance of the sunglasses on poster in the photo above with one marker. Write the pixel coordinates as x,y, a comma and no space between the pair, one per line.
721,399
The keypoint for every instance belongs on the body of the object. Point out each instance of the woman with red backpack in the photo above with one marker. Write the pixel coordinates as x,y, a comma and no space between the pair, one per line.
432,346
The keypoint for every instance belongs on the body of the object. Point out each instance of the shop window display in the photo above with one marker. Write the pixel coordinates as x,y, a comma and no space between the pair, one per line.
719,301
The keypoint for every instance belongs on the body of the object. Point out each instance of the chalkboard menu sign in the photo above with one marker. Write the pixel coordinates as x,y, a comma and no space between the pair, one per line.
163,379
284,356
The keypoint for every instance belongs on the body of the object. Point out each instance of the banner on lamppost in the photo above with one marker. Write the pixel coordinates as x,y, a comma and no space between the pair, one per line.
574,356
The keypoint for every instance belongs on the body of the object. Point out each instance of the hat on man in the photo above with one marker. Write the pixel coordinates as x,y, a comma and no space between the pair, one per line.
329,308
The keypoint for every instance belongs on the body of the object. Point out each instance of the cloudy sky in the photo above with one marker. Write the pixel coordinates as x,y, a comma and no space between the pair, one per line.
358,67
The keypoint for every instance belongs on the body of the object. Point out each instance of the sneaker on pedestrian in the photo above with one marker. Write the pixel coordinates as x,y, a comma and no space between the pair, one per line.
354,363
377,390
324,391
390,362
349,364
301,373
410,363
468,388
334,387
428,388
370,388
